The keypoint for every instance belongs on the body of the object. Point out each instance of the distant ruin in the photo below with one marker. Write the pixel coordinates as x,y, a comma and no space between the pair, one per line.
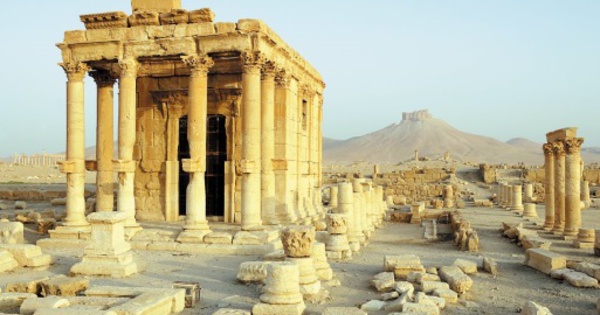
419,115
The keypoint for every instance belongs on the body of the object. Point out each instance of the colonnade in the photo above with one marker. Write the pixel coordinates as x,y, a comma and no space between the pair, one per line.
277,186
38,159
563,184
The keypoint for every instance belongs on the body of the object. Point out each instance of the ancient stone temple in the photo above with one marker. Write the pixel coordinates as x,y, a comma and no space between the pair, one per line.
217,120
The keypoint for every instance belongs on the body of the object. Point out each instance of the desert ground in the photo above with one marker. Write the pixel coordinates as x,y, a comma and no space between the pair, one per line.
504,294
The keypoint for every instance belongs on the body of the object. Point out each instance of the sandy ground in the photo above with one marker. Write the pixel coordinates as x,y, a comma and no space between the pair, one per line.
504,294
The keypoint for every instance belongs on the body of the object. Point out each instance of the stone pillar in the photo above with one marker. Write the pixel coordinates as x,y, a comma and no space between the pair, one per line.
375,170
333,197
297,246
586,200
549,186
528,192
337,244
585,239
281,293
108,254
559,186
530,210
125,165
74,166
416,155
509,196
196,225
346,206
322,267
517,198
597,243
269,214
572,186
104,140
448,196
251,142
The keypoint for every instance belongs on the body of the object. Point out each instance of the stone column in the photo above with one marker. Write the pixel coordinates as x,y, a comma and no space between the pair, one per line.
297,246
337,244
585,238
559,186
281,293
196,225
104,140
125,165
251,142
269,214
549,185
74,166
333,197
322,267
530,210
586,201
448,196
528,192
572,187
345,199
509,196
517,198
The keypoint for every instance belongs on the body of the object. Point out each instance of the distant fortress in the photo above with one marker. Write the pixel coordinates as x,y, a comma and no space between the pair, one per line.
419,115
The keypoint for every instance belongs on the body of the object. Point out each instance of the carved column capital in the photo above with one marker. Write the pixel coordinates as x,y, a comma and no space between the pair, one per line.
268,70
129,67
75,70
573,146
548,149
103,78
252,61
282,78
198,64
559,148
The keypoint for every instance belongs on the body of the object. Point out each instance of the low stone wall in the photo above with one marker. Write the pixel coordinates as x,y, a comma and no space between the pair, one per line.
35,195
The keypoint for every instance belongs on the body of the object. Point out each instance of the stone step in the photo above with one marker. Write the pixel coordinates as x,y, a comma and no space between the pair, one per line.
28,255
7,261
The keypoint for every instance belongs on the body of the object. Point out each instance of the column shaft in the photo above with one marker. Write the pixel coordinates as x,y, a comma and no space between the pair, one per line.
269,214
196,132
549,185
572,187
74,165
125,165
559,186
251,142
104,140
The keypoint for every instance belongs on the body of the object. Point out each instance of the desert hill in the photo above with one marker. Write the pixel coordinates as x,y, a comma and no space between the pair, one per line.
432,138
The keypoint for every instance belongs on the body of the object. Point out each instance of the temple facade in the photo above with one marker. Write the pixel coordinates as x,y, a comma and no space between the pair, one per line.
216,121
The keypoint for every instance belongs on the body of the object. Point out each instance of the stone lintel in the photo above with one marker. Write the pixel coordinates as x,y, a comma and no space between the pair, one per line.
123,166
155,5
562,134
104,20
107,217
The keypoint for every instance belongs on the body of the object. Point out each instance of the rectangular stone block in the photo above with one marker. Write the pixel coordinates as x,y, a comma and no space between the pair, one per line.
153,5
267,309
63,286
544,260
29,286
456,278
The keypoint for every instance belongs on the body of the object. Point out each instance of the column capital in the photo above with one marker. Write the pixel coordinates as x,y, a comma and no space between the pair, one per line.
573,146
559,148
268,70
283,78
103,78
75,70
548,149
198,64
129,67
252,61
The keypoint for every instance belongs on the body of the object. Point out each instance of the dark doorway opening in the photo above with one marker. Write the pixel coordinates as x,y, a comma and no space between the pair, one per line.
216,156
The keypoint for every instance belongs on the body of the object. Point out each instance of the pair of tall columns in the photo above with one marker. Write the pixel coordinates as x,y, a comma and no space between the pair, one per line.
74,166
563,186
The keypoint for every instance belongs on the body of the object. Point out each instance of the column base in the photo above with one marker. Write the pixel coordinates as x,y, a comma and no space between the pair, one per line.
253,227
571,233
268,309
583,245
72,232
193,236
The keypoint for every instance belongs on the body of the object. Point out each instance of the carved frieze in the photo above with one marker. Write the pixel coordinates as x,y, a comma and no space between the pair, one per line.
175,16
104,20
144,18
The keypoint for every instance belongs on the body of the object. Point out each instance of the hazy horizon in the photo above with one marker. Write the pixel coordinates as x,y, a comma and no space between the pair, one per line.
502,69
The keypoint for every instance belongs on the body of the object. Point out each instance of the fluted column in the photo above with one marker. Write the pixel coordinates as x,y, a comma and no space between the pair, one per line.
74,166
549,185
269,214
195,216
252,63
559,186
572,186
125,165
104,140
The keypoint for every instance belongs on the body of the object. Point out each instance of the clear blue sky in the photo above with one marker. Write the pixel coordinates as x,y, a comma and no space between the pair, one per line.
504,69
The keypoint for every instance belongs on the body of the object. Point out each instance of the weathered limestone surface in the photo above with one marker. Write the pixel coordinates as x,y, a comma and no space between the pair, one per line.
253,271
7,261
544,260
456,278
532,308
28,255
343,311
63,286
32,304
297,241
11,233
402,265
384,282
281,292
